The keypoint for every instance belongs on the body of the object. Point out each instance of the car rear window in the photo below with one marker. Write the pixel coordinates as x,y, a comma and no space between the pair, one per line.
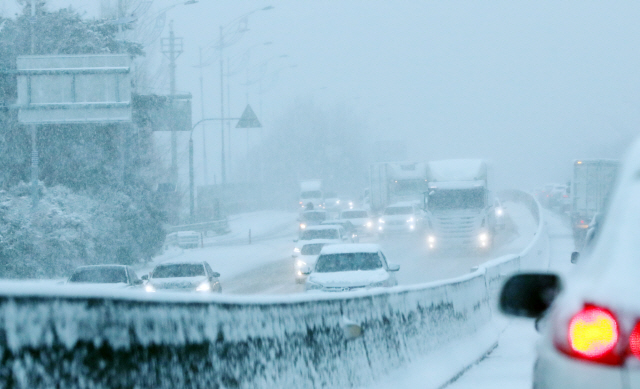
329,263
179,270
100,275
320,234
354,215
314,216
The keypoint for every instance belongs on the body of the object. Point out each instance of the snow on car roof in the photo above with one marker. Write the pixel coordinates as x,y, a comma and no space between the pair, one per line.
321,227
354,210
181,262
350,248
94,266
319,241
402,204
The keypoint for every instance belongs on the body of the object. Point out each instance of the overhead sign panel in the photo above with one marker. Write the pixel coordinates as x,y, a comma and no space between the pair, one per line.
74,89
248,119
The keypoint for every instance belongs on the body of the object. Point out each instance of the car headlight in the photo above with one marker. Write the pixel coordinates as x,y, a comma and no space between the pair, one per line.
369,224
381,220
296,250
431,239
410,220
300,263
337,201
303,226
378,284
499,211
204,287
484,237
149,288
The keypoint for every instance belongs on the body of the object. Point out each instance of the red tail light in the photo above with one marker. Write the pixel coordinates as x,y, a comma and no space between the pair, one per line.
593,335
634,341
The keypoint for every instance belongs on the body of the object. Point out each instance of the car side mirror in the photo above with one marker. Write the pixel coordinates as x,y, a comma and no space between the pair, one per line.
295,241
145,278
215,274
394,267
306,270
529,294
575,256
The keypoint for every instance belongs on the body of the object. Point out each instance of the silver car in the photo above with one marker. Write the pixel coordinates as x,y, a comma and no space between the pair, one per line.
183,276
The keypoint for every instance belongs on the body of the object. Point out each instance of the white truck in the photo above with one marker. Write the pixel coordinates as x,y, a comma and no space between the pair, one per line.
592,183
392,182
311,194
457,205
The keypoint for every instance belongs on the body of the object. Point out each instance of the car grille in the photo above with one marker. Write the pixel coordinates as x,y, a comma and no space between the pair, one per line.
457,227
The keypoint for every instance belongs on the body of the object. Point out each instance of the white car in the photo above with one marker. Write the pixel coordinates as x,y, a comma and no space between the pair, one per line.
309,253
591,332
400,217
341,268
336,234
360,219
113,276
183,276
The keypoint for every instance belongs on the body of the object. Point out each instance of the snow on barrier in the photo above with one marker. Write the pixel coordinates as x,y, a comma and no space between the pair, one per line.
79,338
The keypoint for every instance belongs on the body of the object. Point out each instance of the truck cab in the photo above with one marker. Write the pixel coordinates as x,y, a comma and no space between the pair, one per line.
458,207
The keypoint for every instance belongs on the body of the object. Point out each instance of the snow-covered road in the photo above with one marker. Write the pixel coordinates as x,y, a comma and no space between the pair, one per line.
265,266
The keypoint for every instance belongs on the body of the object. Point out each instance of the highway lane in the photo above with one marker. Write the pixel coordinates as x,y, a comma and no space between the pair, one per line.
418,265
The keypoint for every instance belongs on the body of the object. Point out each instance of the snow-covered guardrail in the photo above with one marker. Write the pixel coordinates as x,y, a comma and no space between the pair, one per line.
86,339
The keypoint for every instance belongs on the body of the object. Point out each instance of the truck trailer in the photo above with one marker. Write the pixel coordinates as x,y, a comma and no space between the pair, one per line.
591,186
393,182
311,196
457,205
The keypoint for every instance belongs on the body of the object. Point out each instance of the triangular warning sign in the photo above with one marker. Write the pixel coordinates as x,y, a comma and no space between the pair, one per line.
248,119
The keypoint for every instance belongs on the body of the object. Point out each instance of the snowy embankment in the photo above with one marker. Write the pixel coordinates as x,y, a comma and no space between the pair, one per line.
92,339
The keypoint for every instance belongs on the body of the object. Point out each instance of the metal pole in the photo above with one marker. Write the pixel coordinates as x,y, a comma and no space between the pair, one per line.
204,139
34,128
229,115
223,174
192,206
174,134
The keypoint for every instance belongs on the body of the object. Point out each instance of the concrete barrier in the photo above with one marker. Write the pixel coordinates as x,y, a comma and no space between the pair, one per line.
83,338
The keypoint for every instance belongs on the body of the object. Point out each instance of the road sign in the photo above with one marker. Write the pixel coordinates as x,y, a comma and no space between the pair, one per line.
74,89
248,119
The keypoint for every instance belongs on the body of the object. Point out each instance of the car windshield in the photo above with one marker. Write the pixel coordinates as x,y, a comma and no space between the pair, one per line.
329,263
313,194
354,215
102,275
179,270
313,216
320,234
398,211
443,199
312,249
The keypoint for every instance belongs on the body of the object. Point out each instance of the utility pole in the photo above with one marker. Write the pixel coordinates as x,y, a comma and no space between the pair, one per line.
34,128
222,162
204,138
172,48
229,115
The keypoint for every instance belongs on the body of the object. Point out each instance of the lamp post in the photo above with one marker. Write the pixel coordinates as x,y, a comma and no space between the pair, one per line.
221,45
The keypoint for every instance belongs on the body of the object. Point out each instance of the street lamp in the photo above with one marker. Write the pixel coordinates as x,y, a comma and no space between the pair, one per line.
221,45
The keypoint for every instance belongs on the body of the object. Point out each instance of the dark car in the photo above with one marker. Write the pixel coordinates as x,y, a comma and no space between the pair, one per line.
119,275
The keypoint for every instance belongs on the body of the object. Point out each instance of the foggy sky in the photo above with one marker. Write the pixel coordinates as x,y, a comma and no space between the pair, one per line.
529,85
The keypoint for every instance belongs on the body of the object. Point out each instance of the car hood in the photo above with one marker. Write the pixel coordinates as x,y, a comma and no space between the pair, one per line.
309,260
397,217
97,285
344,279
359,221
177,282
